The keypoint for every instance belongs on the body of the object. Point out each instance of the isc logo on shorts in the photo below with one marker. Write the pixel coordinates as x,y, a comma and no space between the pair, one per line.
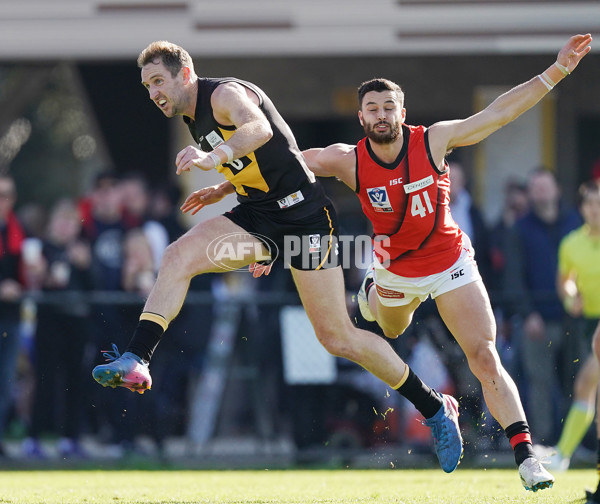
457,274
378,197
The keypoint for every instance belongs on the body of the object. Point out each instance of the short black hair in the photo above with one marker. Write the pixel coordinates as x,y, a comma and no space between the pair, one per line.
586,189
379,85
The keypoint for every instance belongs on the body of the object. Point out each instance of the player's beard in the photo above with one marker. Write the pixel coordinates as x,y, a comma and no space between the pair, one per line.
383,138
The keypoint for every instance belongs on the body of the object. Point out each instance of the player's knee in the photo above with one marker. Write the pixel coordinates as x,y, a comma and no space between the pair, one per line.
174,259
484,360
333,341
392,332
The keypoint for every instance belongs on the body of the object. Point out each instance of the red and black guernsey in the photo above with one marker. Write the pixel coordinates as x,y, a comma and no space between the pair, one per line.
270,173
408,201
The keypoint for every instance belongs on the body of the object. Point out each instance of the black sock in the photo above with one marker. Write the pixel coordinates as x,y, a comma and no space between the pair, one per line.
145,339
520,439
425,399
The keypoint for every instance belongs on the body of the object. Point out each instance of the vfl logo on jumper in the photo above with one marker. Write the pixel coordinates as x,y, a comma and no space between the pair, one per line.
314,245
229,252
213,139
291,199
378,197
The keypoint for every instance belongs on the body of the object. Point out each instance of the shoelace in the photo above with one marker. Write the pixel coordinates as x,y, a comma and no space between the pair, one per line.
111,355
438,429
442,440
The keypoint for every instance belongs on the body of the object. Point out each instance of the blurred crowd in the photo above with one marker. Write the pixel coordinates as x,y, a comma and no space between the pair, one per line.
73,279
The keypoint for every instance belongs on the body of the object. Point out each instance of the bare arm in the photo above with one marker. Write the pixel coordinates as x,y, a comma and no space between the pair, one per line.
206,196
233,105
337,160
446,135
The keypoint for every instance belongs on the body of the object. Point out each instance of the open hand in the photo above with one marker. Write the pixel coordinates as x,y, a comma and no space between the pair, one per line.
202,197
574,50
259,270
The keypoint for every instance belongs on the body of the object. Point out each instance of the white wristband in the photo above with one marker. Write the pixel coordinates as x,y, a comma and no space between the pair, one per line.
548,79
228,152
216,159
564,70
548,86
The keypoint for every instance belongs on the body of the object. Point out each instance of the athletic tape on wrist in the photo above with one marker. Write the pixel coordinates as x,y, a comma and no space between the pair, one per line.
216,159
564,70
228,152
548,79
548,86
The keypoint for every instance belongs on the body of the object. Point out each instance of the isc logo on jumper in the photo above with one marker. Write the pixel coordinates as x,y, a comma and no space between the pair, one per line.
378,197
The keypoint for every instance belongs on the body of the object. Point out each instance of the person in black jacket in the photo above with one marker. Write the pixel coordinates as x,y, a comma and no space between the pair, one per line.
12,285
530,286
469,218
62,333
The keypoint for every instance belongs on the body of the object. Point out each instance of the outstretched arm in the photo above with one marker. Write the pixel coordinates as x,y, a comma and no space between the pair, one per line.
446,135
337,160
206,196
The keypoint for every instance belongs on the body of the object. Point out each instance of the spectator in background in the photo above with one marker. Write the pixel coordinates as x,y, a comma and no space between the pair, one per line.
12,236
62,333
470,219
138,263
530,284
578,285
105,229
515,206
165,209
136,198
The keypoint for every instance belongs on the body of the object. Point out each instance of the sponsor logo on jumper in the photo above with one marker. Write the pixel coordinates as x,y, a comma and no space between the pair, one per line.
214,139
378,197
419,184
291,199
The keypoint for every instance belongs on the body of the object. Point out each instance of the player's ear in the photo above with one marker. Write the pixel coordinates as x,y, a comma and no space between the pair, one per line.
360,118
186,73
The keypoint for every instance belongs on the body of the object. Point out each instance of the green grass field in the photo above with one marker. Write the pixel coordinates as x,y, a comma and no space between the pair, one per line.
285,487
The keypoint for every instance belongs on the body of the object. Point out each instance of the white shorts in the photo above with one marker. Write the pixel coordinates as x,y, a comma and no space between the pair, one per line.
395,290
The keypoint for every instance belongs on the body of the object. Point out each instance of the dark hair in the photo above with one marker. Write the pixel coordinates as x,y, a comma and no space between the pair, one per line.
379,85
105,178
586,189
541,171
172,56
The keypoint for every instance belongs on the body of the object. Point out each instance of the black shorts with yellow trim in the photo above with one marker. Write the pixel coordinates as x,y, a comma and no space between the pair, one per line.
306,241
